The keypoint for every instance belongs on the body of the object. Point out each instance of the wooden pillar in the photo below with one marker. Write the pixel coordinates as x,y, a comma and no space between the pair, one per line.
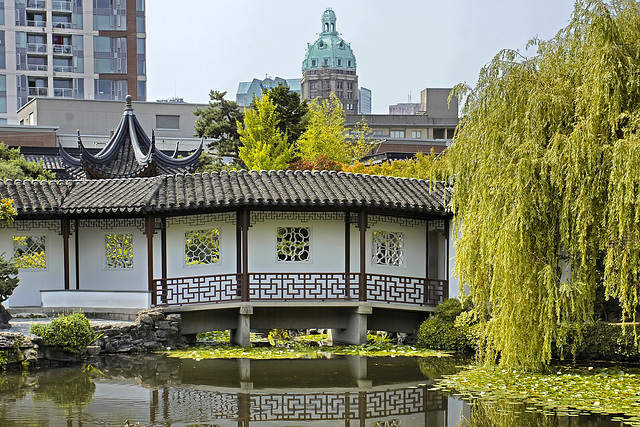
244,287
163,259
362,225
77,251
150,228
347,254
66,230
239,251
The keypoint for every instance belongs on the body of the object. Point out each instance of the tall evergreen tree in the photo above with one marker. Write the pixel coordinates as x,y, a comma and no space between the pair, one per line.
290,110
219,120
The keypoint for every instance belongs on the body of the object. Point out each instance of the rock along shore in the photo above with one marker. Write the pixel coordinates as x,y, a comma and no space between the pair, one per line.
151,331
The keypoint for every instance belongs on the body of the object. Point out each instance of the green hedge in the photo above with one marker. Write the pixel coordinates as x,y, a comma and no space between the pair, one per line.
606,342
440,331
71,332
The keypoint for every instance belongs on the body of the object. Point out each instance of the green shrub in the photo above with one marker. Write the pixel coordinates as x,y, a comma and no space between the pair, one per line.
606,342
71,332
438,334
441,332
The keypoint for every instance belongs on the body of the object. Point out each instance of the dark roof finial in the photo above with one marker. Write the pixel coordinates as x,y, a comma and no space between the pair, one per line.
127,100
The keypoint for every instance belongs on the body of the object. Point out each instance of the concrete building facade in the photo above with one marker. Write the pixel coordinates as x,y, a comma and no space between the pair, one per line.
330,66
97,120
72,49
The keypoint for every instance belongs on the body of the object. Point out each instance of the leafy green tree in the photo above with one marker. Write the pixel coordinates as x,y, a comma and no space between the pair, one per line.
290,110
326,133
219,121
264,146
13,165
213,163
547,163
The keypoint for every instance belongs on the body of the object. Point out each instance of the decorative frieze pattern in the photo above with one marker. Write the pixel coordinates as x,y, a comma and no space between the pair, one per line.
261,216
202,219
27,225
111,223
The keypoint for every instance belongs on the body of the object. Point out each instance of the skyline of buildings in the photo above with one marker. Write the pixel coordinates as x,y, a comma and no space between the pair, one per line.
74,49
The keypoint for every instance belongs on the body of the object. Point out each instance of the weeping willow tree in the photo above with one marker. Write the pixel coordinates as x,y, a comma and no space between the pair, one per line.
547,189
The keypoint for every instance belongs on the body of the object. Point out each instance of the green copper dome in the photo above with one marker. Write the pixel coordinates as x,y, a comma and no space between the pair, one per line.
329,51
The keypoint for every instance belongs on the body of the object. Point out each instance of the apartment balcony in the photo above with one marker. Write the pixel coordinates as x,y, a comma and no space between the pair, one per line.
38,91
40,48
61,6
36,4
63,68
59,49
63,92
61,25
37,24
36,67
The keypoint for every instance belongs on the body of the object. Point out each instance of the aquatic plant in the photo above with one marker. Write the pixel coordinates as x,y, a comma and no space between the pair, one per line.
564,391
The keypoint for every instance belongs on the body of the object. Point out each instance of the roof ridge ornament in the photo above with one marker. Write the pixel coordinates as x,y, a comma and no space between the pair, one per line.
128,104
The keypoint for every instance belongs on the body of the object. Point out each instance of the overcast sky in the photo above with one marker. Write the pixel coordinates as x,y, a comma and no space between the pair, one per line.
401,47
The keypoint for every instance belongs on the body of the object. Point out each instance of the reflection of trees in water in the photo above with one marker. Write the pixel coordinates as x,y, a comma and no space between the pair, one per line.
72,387
12,388
436,367
505,414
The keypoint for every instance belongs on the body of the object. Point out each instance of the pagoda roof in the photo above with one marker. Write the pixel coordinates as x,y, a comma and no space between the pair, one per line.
128,154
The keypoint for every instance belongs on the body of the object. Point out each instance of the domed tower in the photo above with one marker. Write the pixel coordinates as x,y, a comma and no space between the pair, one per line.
330,66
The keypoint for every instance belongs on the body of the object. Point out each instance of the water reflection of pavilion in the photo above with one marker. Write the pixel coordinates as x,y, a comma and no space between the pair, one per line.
348,390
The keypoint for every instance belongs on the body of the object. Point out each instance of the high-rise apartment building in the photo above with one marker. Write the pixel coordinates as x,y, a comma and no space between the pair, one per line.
330,66
79,49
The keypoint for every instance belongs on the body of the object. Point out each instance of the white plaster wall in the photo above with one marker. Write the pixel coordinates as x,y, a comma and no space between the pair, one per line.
33,280
327,247
454,283
414,250
93,273
176,257
97,299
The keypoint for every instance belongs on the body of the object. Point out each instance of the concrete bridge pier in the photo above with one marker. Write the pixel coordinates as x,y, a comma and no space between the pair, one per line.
356,331
242,334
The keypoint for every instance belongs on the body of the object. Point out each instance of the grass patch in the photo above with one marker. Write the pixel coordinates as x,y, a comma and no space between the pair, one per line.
612,391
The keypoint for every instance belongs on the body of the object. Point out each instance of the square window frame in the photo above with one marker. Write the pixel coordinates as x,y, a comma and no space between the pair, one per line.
105,267
201,228
402,265
46,254
307,261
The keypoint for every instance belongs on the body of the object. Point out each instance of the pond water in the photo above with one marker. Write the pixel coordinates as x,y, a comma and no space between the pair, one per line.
154,390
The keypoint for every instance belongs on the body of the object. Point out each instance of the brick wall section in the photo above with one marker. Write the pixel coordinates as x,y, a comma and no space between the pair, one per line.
28,139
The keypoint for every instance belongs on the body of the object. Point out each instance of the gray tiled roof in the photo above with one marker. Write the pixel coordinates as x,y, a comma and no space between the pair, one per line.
218,191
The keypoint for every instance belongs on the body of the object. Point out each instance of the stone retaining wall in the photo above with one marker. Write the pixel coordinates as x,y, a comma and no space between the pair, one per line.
152,330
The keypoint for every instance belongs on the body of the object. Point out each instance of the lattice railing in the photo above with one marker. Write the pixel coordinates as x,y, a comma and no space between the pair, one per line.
318,406
405,290
223,288
303,286
198,289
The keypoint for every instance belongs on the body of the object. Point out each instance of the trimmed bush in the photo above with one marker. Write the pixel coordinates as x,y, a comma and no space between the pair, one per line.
71,333
440,332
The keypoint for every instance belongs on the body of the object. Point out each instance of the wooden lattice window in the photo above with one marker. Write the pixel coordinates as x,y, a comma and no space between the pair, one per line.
294,244
119,250
29,251
388,248
202,247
